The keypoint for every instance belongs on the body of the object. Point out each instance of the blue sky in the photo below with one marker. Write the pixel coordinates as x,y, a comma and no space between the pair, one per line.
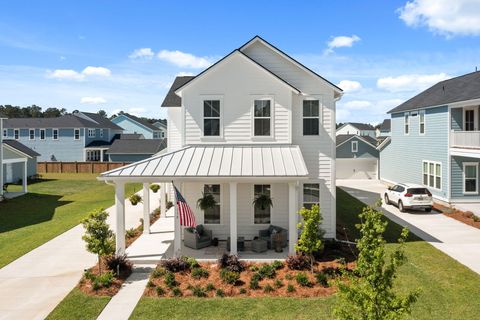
113,55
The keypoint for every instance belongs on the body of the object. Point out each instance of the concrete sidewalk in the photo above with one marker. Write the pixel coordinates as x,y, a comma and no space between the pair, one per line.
454,238
34,284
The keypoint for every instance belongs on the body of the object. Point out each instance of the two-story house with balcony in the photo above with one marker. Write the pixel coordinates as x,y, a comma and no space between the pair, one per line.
257,122
81,136
435,140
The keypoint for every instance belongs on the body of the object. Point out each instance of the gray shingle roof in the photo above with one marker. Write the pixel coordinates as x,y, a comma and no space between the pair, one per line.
341,138
462,88
142,146
141,121
21,147
171,99
385,126
102,121
362,126
131,136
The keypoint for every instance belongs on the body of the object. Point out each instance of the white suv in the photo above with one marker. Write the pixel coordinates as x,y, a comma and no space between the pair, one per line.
409,196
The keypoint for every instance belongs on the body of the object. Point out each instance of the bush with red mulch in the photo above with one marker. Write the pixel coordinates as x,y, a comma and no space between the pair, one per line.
466,217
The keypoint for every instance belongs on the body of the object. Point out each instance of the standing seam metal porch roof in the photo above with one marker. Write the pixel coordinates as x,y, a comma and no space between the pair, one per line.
218,161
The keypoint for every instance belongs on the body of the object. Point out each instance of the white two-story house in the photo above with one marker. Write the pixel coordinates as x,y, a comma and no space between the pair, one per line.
255,122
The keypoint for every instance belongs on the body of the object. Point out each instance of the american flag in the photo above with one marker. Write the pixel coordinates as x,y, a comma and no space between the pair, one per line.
187,218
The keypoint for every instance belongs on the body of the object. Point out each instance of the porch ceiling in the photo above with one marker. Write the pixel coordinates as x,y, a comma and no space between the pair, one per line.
216,162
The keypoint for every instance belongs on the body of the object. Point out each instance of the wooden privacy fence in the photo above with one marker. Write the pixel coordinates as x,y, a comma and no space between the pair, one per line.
77,167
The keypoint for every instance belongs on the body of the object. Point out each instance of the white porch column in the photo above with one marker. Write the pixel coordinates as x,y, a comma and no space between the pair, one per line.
146,208
233,217
292,217
1,157
25,176
163,205
177,241
101,155
120,218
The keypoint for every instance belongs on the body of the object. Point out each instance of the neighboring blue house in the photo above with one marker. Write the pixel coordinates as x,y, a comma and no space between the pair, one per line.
133,124
357,157
80,136
435,140
162,125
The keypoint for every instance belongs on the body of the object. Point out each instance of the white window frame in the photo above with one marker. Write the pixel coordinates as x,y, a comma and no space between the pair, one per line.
354,146
44,134
74,135
101,133
53,134
30,134
16,134
420,122
219,203
90,135
435,163
320,118
272,113
253,207
406,123
475,118
471,164
303,194
5,133
212,97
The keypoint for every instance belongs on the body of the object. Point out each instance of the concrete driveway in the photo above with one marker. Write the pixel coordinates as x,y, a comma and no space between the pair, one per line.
456,239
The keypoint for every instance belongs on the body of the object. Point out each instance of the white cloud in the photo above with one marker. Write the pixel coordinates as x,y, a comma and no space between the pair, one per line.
93,100
349,85
410,82
357,104
142,53
447,17
184,60
185,73
96,71
135,111
66,74
341,41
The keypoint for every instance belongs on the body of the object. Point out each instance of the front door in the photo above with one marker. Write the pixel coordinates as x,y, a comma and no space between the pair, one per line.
470,123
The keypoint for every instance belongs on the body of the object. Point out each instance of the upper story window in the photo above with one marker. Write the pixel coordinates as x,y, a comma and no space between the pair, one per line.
262,117
421,121
31,134
76,134
406,123
311,195
311,117
91,133
212,215
162,134
15,134
101,133
211,118
42,134
55,134
354,146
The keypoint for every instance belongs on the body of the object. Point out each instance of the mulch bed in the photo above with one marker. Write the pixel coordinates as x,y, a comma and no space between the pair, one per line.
462,216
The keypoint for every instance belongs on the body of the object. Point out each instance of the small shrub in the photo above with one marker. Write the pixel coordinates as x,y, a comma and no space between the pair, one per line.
191,262
118,263
298,262
267,271
254,285
322,279
468,214
332,272
220,293
150,284
104,280
475,218
257,276
230,277
131,233
210,287
159,272
169,205
243,291
277,265
278,283
89,275
154,187
290,288
160,291
199,273
135,199
288,276
302,279
199,292
176,292
254,268
231,263
268,288
170,280
175,264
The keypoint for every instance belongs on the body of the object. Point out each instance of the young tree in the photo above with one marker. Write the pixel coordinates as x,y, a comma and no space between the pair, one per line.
369,293
311,236
98,236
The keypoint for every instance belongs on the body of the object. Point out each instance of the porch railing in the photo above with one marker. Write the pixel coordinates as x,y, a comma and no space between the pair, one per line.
465,139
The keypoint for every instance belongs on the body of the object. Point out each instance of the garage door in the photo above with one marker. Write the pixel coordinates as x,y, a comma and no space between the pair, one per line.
356,168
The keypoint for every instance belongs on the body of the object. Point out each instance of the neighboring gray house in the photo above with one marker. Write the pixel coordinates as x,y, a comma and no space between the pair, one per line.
384,129
357,157
435,140
133,124
131,150
359,129
81,136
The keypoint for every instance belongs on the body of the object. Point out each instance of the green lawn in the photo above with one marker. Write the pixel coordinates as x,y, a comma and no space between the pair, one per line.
449,290
80,307
51,207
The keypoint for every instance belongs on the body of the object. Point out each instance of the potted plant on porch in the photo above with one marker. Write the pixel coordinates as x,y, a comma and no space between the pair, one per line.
206,202
262,201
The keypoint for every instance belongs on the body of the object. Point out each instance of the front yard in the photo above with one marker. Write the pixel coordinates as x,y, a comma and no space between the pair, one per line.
53,205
